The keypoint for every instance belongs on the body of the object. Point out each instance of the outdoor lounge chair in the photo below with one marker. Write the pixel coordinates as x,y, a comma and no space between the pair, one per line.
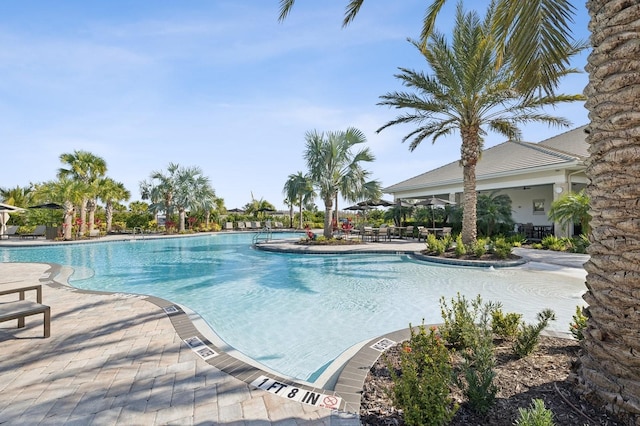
38,232
228,226
11,232
240,226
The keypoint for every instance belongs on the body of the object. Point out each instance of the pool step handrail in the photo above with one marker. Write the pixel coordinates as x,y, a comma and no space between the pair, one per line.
139,231
263,236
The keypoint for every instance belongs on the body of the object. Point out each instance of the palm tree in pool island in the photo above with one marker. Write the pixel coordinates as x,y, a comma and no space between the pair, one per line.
334,168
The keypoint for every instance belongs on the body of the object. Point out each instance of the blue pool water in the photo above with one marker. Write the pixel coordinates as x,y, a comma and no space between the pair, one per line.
295,313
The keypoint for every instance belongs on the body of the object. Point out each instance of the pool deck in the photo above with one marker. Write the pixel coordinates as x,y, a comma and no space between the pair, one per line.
122,359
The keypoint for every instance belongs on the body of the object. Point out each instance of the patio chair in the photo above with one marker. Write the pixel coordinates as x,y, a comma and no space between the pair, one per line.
409,232
367,233
384,232
240,226
228,226
423,233
38,232
445,231
248,225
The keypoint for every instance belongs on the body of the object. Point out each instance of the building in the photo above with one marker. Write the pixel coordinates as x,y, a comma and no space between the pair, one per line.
532,174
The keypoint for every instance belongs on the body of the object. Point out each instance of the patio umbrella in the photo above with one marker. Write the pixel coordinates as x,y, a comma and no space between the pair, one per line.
236,210
434,202
358,207
5,210
373,203
48,206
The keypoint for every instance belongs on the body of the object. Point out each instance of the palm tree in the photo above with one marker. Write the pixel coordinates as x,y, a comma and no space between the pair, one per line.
467,94
112,192
179,189
87,168
494,208
572,207
18,196
258,207
334,168
299,189
609,366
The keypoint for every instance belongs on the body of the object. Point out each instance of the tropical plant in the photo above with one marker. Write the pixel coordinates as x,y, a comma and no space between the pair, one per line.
111,192
334,168
258,207
572,207
494,208
87,168
299,190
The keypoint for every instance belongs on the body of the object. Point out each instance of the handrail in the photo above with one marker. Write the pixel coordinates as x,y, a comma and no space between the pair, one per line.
263,236
134,232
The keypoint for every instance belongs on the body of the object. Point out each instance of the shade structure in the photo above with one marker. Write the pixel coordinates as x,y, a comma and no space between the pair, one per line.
5,210
236,210
434,202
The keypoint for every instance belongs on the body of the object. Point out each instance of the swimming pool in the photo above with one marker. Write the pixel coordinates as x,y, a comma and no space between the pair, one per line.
296,313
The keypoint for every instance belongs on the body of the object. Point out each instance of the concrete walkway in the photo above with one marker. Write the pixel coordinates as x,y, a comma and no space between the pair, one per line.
118,359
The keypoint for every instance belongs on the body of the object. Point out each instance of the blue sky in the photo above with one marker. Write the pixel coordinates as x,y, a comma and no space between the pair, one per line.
218,84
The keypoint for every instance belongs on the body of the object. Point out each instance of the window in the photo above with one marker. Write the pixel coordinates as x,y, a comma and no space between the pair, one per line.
538,206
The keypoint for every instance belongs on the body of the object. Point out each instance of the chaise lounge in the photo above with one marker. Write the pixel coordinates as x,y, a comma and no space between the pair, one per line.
38,232
20,309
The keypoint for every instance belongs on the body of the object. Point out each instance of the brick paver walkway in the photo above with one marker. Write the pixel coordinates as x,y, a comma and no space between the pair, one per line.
113,359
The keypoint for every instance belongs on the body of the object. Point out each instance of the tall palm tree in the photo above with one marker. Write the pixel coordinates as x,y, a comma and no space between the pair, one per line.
334,168
112,192
609,365
468,94
87,168
181,189
299,189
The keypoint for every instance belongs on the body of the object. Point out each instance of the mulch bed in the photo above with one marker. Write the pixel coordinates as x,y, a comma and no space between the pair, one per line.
545,374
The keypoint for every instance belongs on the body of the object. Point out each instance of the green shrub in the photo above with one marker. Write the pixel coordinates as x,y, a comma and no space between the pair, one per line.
479,247
578,324
529,336
447,240
579,244
421,390
535,415
460,249
501,248
505,326
477,370
459,320
537,246
434,245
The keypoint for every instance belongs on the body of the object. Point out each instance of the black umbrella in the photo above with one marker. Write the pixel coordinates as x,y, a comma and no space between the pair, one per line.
359,207
48,206
373,203
52,206
236,210
433,201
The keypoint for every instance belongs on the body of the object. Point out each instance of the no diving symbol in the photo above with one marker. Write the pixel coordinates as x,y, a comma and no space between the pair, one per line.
330,401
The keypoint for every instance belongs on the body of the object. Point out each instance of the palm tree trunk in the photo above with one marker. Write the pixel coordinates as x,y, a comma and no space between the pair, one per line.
470,153
109,215
68,220
92,214
181,218
83,216
609,369
301,221
328,206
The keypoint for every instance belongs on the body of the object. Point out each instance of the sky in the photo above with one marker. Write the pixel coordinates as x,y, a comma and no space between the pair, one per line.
217,84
